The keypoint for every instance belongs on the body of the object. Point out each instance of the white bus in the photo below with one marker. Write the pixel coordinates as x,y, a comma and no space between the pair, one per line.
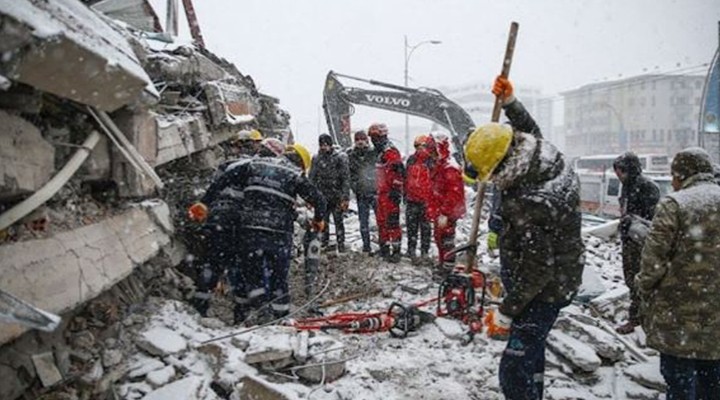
650,162
600,191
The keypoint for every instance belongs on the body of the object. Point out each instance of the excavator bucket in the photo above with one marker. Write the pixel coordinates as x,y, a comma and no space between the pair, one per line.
16,311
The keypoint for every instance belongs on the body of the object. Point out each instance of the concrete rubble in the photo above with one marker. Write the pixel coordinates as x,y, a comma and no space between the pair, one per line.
96,250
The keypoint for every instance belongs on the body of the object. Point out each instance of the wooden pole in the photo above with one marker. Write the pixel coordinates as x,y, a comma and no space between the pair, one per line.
480,198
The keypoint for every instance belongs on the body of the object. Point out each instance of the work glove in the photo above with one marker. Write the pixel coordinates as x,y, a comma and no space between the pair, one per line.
498,325
344,205
317,225
503,88
492,241
396,196
198,212
442,221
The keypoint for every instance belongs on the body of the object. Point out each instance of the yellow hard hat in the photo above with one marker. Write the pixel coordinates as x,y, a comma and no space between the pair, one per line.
486,147
240,136
255,135
303,152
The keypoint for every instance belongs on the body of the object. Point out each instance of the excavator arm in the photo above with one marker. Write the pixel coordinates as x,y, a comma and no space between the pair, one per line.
426,103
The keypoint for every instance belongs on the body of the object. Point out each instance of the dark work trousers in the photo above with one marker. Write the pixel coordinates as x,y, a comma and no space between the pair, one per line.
522,366
690,379
220,254
263,263
416,220
631,254
365,203
445,241
333,208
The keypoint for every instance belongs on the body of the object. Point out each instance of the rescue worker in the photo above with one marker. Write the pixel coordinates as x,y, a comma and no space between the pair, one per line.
448,200
390,175
246,143
330,173
679,280
252,213
540,242
638,198
418,195
361,158
210,245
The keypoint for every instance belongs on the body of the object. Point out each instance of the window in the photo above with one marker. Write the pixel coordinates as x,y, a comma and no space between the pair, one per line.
613,188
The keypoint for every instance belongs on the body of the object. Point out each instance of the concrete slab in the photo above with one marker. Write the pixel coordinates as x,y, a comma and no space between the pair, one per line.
58,273
46,369
68,50
272,347
254,388
27,160
161,342
184,389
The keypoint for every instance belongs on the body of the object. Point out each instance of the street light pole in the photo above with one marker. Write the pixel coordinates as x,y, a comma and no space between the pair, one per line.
408,53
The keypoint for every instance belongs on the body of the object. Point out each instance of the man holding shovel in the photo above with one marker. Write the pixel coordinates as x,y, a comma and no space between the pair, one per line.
540,242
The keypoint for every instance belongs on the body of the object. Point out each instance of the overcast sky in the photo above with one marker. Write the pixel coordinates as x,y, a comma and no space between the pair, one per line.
288,46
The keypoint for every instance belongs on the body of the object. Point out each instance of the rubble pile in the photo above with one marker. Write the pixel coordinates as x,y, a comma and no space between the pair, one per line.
584,357
95,250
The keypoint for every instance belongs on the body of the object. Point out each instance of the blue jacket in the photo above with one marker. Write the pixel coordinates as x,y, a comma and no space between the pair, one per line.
259,194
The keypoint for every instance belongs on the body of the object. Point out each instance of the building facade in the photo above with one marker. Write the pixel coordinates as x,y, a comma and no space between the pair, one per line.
478,100
646,114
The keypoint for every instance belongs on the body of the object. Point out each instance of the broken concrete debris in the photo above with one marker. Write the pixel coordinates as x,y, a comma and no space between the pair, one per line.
175,105
161,342
46,369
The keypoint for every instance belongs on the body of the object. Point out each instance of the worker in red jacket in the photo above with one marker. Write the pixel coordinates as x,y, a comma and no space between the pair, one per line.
418,194
448,199
390,176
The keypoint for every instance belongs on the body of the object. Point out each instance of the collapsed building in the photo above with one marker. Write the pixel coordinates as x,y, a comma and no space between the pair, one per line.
107,128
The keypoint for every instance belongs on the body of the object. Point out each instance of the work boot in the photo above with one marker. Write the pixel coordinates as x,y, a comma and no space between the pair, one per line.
367,250
395,256
411,255
341,248
627,328
384,252
425,258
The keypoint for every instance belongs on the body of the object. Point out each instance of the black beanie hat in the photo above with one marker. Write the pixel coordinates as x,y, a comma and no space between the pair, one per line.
325,139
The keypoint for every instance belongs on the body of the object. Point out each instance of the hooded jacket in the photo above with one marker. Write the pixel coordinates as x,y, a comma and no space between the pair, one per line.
418,186
541,237
448,197
639,194
679,278
330,173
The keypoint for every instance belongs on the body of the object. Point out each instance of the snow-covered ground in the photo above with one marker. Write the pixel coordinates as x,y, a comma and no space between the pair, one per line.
585,360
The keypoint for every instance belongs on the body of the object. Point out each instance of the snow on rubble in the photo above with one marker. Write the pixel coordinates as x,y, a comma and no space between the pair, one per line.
585,359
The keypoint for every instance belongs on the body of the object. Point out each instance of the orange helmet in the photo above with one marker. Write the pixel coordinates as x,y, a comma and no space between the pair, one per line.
377,129
420,140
